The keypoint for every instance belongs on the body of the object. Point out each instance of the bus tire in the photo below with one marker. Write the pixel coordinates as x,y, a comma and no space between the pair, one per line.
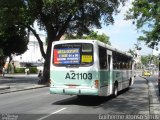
115,90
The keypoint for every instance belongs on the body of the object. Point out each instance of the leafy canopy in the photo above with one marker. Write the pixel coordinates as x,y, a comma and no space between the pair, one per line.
146,15
149,59
94,35
13,36
14,41
58,17
72,16
91,36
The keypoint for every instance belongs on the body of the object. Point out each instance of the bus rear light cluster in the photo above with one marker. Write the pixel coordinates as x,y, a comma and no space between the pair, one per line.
96,83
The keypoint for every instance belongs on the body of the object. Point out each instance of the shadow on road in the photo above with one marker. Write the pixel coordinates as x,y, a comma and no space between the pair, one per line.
83,101
86,100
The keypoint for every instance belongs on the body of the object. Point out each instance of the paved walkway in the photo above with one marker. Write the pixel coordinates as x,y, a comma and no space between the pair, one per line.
18,82
154,98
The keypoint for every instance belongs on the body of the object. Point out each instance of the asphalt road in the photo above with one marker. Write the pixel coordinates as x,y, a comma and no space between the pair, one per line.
38,104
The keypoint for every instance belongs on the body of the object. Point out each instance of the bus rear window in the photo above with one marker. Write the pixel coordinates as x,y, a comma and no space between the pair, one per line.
71,54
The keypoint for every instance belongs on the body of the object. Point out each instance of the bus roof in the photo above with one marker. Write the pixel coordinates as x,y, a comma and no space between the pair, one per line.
92,41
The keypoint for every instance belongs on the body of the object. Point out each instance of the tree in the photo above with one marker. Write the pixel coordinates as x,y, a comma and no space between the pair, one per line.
144,60
13,36
92,35
146,15
14,41
148,59
132,52
57,17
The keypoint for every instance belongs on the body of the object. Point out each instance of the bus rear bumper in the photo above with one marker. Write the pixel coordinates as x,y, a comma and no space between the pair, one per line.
73,91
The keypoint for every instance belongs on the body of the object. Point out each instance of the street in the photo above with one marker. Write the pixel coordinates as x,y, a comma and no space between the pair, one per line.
40,104
86,49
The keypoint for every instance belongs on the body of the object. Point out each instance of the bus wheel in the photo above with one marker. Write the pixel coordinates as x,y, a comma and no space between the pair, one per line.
115,90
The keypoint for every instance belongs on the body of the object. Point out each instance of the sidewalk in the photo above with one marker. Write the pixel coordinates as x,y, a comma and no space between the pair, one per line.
3,87
154,97
18,82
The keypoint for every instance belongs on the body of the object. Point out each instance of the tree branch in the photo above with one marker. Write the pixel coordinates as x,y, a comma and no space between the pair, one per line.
39,41
64,27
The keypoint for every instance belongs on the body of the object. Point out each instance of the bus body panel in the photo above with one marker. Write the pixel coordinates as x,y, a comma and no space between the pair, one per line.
123,77
117,76
74,81
80,80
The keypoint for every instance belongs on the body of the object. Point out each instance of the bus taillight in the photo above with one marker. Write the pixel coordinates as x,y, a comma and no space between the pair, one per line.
96,83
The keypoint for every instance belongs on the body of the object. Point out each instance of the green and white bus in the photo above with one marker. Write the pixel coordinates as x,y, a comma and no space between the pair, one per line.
89,67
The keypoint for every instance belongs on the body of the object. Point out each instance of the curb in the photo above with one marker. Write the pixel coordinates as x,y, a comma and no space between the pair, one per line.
27,88
154,103
4,87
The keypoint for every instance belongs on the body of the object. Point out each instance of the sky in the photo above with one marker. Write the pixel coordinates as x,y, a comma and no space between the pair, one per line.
123,34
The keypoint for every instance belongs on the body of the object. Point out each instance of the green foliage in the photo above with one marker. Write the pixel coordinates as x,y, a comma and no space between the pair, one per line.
19,70
13,36
74,16
2,60
1,52
91,36
144,60
94,35
14,41
132,52
149,59
137,47
145,14
33,70
57,17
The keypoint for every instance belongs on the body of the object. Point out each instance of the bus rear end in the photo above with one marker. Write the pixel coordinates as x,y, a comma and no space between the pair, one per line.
73,70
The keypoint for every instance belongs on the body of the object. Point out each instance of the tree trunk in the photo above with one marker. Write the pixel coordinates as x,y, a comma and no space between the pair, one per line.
46,67
2,62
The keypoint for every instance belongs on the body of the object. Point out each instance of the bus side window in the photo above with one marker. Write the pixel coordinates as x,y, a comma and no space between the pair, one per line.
127,66
115,61
114,65
102,58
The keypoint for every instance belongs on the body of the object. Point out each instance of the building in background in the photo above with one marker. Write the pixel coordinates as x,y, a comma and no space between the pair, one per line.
137,59
33,55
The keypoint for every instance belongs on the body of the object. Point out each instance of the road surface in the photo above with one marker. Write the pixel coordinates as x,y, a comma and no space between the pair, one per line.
38,104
